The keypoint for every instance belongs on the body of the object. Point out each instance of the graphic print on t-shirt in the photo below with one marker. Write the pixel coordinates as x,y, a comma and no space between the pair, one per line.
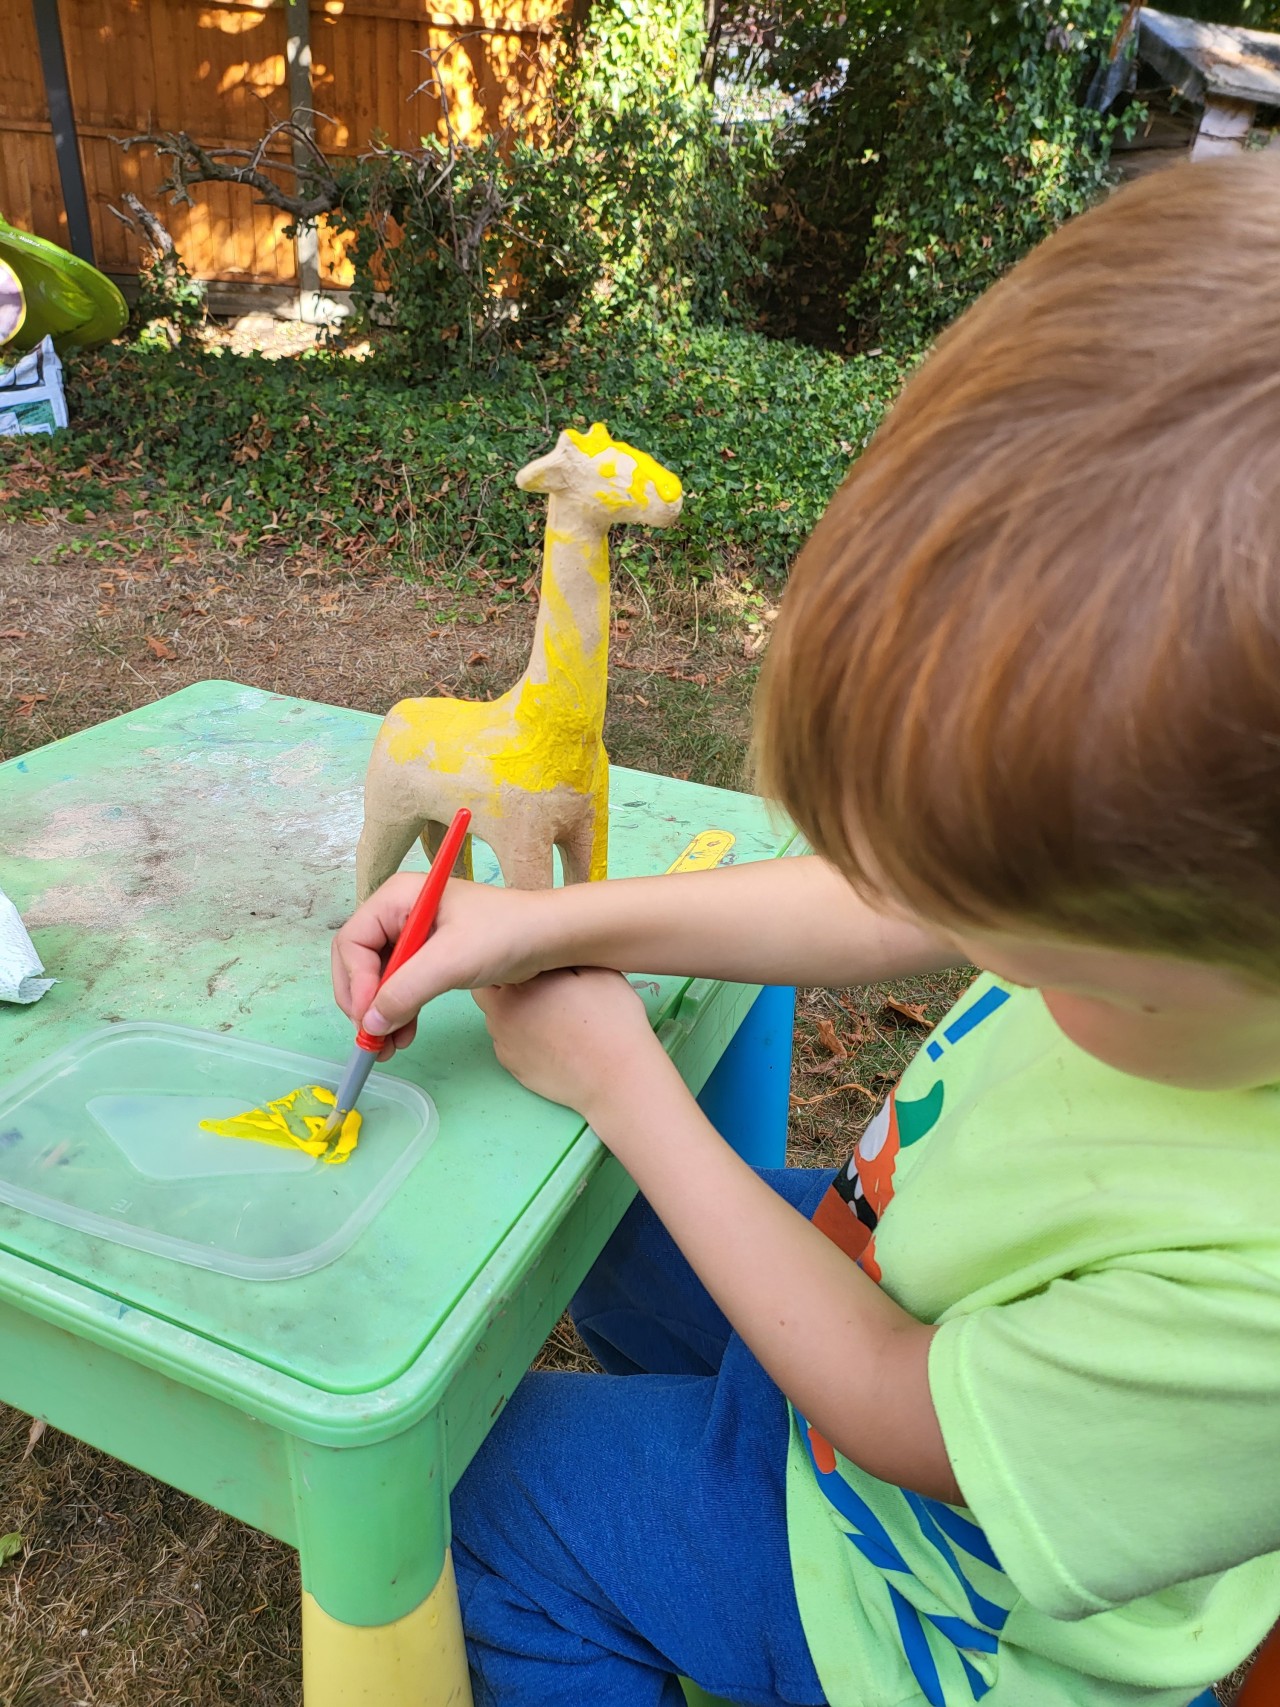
958,1542
849,1213
851,1207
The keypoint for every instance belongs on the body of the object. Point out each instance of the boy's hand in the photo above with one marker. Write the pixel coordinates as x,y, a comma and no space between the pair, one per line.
482,935
581,1038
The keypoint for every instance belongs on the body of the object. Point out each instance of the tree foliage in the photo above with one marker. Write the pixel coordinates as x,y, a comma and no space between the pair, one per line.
930,145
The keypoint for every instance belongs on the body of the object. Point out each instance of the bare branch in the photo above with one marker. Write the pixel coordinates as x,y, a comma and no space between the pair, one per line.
318,191
140,218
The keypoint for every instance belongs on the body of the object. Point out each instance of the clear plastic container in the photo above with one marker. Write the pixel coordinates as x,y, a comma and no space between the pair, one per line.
105,1136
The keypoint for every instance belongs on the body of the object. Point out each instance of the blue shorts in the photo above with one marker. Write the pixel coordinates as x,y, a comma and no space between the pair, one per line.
615,1530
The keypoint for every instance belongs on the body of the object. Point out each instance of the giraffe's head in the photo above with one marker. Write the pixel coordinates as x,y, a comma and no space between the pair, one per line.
601,474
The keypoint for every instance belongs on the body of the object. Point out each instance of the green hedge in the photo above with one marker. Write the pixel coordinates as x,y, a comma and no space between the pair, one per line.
326,449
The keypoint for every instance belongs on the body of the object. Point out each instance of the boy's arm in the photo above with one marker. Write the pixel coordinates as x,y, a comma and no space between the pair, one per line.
782,921
852,1361
789,921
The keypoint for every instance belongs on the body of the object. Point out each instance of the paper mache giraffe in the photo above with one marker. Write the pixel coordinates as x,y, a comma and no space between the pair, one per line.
531,766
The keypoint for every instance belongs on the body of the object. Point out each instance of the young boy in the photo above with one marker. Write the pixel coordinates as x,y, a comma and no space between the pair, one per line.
992,1415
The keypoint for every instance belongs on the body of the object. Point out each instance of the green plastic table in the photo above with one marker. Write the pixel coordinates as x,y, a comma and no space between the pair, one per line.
188,862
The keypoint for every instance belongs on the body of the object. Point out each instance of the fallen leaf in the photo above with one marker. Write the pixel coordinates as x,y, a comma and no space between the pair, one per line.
477,658
224,508
27,702
827,1037
38,1426
11,1545
816,1069
161,648
858,1036
14,634
904,1013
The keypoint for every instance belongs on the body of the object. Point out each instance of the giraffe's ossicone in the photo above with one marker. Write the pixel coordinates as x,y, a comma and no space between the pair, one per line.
531,765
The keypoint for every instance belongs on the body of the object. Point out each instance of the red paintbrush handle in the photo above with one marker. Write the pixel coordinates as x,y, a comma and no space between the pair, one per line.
422,915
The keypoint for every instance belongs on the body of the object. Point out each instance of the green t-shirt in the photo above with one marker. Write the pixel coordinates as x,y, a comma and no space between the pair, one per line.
1103,1257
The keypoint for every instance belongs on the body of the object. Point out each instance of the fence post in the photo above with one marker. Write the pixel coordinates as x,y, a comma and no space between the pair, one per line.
66,144
298,55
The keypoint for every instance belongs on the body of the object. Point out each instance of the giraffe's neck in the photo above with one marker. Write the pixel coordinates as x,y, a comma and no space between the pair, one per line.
568,669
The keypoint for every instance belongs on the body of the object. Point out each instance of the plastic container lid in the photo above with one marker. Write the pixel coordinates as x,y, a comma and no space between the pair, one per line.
105,1136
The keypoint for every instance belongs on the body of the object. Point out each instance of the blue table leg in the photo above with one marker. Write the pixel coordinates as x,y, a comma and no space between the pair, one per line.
748,1096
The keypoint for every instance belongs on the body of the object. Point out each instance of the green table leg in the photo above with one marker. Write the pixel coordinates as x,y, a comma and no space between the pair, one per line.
380,1619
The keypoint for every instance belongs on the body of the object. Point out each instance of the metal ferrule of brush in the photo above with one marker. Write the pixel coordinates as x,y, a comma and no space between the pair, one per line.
359,1066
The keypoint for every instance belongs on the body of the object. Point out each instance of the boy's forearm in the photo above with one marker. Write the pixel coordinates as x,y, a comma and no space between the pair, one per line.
851,1360
789,921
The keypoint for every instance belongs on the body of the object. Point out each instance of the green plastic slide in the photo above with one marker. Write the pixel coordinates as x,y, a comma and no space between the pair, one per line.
58,295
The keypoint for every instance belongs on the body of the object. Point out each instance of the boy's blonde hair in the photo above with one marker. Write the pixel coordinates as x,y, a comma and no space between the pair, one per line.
1027,671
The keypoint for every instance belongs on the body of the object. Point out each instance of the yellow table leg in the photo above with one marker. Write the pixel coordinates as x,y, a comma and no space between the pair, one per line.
419,1661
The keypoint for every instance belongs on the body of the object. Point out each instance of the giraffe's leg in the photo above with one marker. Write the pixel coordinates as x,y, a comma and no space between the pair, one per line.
599,868
584,848
524,859
575,850
382,846
433,835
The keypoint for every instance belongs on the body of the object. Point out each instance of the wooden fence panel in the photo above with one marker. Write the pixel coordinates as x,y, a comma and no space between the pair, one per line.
29,192
370,76
217,69
22,97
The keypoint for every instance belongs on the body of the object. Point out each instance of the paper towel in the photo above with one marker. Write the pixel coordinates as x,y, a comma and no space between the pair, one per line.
20,965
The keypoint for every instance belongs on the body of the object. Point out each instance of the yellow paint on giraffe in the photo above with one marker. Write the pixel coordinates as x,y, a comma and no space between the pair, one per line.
647,471
293,1122
543,735
706,849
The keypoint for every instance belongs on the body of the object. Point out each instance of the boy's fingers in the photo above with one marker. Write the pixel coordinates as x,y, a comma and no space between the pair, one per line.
356,971
341,977
419,981
400,1040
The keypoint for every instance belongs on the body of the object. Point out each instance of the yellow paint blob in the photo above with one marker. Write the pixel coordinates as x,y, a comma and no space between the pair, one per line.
294,1122
647,471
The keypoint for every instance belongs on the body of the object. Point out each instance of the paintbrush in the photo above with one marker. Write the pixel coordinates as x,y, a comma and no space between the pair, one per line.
417,928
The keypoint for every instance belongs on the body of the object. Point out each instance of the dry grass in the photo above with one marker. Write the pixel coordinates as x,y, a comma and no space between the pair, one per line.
125,1593
95,624
129,1594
